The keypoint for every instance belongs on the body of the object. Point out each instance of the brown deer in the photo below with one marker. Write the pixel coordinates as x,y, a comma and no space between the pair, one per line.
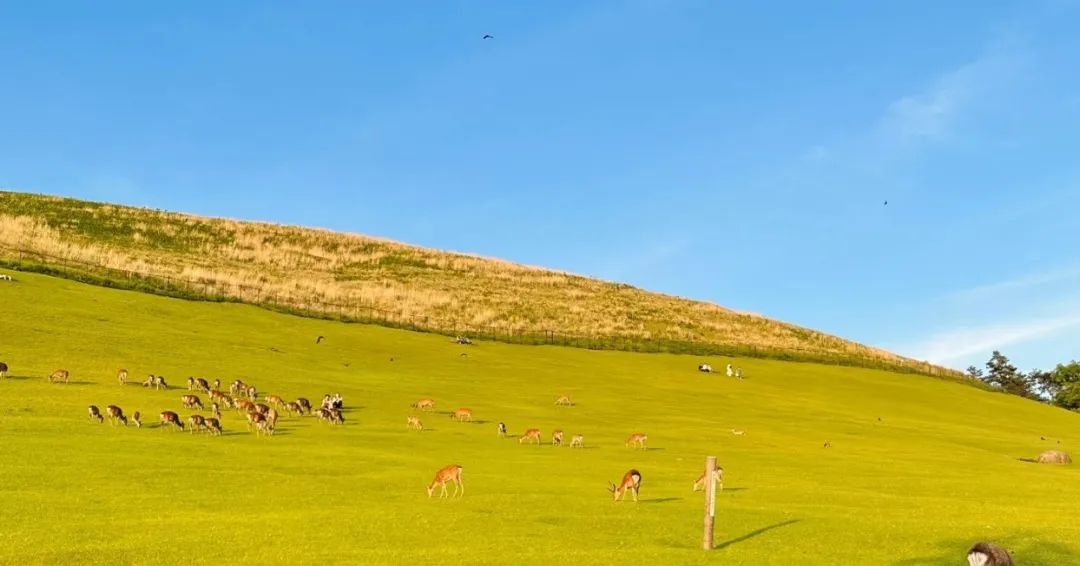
215,410
121,376
190,383
116,414
414,423
718,476
275,401
237,389
631,481
272,416
530,435
202,385
155,381
252,393
564,401
578,441
243,406
59,375
221,396
191,401
424,405
217,384
254,418
637,440
293,408
95,413
462,415
556,438
137,419
170,418
262,409
451,473
213,426
987,554
305,406
3,370
197,423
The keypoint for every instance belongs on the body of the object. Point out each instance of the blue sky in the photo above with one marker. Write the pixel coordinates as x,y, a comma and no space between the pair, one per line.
733,152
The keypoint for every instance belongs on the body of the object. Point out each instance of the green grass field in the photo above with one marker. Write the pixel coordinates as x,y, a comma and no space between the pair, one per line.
939,471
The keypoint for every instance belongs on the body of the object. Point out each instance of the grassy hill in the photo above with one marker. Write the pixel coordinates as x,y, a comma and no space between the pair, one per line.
938,471
358,277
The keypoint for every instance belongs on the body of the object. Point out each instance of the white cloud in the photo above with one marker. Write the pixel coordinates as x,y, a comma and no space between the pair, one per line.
935,112
961,343
1019,283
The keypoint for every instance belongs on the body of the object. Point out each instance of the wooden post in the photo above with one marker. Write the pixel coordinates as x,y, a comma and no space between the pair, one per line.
710,501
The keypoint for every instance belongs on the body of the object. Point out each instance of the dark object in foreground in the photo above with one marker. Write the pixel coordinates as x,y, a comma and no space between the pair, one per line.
987,554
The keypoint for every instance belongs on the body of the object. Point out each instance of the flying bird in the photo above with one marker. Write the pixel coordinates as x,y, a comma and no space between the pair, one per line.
488,36
319,339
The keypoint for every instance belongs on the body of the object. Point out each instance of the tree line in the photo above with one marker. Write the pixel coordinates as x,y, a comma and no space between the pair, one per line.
1059,386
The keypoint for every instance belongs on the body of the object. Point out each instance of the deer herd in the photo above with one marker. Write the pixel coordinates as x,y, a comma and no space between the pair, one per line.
262,419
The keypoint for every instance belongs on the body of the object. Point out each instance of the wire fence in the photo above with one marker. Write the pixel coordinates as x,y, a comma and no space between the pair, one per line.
210,289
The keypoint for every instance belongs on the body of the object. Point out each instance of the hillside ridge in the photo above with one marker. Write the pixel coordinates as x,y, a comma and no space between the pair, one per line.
315,271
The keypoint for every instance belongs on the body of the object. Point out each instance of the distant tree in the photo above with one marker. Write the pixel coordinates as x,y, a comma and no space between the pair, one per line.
1063,385
1001,373
974,372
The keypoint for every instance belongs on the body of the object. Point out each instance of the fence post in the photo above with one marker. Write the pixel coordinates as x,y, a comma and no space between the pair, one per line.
710,502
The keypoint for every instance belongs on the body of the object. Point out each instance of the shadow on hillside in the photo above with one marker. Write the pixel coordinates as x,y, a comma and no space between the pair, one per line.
719,491
755,533
1026,548
18,378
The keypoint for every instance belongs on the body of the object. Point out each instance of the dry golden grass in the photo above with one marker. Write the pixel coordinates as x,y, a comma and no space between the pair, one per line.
341,273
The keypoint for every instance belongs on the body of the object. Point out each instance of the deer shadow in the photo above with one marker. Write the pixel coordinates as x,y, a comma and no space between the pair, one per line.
18,378
660,500
753,534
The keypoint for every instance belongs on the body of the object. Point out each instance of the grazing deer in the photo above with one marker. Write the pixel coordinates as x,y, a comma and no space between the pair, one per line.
155,381
243,406
462,415
305,406
213,426
170,418
530,435
254,418
95,413
237,389
264,427
414,423
631,481
578,441
556,438
217,384
293,408
121,376
202,385
272,416
191,401
197,423
502,430
190,383
324,414
137,419
987,554
217,395
424,405
564,401
263,409
3,370
275,401
451,473
59,375
115,414
737,432
718,476
637,440
215,410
